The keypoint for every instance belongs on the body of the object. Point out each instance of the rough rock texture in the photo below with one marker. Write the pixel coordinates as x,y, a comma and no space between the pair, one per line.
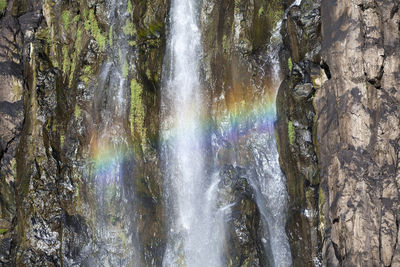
53,210
11,119
358,132
350,191
295,126
60,138
243,246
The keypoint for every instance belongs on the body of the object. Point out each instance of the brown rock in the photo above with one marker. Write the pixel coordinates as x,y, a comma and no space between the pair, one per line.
358,132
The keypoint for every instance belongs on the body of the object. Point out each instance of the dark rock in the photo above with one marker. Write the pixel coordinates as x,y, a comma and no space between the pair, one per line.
243,246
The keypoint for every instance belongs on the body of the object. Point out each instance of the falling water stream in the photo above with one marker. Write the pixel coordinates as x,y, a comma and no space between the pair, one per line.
196,230
194,238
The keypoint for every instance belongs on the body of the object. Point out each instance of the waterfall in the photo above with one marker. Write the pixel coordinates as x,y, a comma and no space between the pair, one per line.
115,220
195,234
269,182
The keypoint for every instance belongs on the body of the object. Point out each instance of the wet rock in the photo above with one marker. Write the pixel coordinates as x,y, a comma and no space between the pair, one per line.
244,243
296,129
302,91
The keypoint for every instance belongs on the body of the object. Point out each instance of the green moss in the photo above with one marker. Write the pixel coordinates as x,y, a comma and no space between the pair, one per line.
87,73
76,19
148,74
13,164
92,26
129,28
125,69
66,18
136,116
3,231
260,11
129,7
151,30
132,43
291,133
66,60
62,139
225,43
321,201
77,111
87,69
274,11
43,34
290,64
3,5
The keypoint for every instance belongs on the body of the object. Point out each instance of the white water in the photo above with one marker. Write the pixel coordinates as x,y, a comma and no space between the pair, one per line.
269,181
195,234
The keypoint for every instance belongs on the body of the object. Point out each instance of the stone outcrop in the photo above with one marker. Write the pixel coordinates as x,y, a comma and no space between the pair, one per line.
358,132
11,119
339,103
303,75
52,211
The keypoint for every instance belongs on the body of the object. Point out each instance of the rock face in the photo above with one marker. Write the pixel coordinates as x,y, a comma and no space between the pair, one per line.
358,132
59,206
11,119
61,143
295,126
54,209
339,103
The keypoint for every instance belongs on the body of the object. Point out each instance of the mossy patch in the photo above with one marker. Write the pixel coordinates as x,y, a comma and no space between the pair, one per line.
62,139
129,9
3,5
290,64
125,69
260,11
43,34
152,30
66,61
14,166
86,74
76,54
274,11
92,26
291,133
66,18
129,28
76,19
321,202
3,231
137,114
77,111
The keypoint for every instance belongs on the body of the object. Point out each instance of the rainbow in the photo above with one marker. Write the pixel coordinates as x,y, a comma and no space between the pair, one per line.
252,117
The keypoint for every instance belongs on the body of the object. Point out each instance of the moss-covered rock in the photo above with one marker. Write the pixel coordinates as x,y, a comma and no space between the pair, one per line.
296,129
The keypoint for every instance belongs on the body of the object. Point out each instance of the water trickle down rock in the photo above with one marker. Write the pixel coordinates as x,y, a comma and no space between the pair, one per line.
239,79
